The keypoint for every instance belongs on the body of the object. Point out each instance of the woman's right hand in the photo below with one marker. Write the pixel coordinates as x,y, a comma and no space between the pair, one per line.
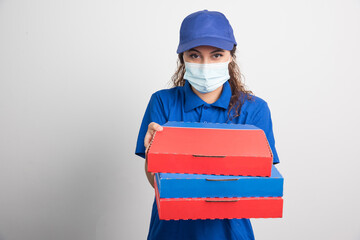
152,128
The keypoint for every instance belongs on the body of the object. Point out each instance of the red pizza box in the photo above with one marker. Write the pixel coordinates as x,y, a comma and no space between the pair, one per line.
210,148
218,208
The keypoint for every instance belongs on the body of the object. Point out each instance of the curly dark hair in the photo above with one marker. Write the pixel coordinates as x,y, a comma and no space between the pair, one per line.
238,90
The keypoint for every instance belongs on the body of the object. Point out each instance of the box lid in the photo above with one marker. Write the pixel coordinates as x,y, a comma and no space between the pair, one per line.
210,125
176,185
210,148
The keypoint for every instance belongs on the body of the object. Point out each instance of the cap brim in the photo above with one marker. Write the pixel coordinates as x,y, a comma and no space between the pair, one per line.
208,41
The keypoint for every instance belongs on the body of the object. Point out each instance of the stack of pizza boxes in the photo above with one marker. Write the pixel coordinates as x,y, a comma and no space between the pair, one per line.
214,171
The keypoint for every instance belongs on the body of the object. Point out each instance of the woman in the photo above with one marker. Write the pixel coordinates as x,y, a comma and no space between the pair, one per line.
207,88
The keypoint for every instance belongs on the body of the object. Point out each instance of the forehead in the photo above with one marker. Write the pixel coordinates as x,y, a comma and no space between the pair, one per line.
206,49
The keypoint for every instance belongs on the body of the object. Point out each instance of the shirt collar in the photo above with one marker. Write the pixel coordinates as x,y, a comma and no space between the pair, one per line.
193,101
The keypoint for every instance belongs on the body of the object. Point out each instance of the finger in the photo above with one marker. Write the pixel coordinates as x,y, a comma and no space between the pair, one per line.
147,140
153,126
147,148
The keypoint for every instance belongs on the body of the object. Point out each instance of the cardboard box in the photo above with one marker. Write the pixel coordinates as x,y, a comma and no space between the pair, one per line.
176,185
210,148
218,208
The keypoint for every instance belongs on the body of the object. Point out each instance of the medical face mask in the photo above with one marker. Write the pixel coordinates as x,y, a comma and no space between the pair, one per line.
207,77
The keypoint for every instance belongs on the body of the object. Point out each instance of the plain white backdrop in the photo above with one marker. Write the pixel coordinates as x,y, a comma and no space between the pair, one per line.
76,77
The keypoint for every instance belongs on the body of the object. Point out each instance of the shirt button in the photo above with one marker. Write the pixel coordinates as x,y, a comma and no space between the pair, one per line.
206,107
205,121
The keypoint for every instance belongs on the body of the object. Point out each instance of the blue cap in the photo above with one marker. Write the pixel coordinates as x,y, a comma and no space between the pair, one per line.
208,28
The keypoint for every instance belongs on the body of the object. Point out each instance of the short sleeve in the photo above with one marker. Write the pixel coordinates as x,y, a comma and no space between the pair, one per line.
154,113
262,120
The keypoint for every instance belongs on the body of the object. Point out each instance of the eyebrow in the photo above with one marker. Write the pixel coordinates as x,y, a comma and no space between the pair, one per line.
217,50
193,49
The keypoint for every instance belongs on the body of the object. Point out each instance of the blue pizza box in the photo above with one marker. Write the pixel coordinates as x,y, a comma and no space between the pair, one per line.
177,185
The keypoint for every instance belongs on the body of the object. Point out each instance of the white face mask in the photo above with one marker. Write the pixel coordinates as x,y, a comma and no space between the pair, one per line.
207,77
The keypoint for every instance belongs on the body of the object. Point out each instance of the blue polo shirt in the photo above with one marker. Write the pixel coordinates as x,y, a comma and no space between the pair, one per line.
182,104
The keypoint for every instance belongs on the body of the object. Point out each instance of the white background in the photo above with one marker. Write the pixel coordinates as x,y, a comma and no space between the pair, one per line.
75,79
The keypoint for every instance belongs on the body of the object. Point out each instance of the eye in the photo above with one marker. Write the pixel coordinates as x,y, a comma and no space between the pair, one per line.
217,55
194,56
